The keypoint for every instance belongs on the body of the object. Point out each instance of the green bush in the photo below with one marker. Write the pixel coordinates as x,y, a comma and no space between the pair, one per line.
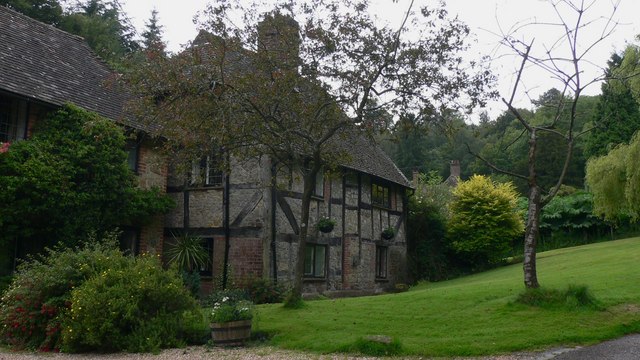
484,221
264,291
574,297
38,299
137,308
376,346
70,179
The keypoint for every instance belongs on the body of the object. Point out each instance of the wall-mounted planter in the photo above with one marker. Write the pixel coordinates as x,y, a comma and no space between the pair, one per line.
326,225
388,233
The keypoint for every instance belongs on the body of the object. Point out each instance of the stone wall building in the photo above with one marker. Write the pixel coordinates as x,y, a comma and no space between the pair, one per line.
249,218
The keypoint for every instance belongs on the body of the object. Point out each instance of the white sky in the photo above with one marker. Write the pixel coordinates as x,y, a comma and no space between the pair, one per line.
485,17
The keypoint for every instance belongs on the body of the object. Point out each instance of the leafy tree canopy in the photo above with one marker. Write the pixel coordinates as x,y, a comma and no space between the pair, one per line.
296,82
70,179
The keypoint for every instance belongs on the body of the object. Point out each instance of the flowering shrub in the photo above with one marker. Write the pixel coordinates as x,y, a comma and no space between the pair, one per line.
141,307
34,305
4,147
228,310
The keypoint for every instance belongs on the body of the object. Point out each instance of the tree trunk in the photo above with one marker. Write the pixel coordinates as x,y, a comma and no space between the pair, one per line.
531,239
309,180
533,218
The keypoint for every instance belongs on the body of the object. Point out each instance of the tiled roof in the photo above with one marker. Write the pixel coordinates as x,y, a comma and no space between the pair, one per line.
365,155
40,62
368,157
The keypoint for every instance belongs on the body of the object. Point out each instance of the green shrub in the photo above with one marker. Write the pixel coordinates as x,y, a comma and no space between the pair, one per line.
136,308
38,299
264,291
233,294
484,221
376,346
574,297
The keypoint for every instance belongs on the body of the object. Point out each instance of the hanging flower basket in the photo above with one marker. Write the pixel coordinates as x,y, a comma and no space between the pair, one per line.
326,225
388,233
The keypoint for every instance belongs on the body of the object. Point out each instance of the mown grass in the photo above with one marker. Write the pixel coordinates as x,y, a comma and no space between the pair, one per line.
477,315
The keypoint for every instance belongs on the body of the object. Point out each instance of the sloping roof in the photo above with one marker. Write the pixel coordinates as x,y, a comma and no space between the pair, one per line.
365,155
40,62
368,157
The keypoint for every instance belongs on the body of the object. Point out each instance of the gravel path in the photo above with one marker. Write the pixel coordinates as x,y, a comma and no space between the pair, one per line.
625,348
205,352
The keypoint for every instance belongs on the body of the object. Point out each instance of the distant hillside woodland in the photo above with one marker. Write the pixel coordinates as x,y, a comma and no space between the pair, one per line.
427,147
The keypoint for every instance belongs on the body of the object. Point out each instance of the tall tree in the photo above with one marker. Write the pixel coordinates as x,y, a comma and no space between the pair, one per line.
47,11
294,93
105,27
563,61
152,35
617,115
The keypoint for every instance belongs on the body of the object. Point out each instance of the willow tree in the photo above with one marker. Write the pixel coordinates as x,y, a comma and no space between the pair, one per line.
293,83
564,60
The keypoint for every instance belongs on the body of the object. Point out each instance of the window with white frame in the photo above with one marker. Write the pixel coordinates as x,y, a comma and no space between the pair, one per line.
206,172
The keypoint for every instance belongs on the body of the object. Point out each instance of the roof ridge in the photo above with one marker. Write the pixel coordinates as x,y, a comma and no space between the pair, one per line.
49,27
28,18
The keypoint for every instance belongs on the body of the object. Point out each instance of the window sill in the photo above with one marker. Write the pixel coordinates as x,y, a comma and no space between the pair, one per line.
314,279
378,279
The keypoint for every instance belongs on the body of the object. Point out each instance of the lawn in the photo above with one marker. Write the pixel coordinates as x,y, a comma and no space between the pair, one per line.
476,315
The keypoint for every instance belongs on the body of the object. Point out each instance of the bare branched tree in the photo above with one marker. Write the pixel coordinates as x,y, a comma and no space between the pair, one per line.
564,60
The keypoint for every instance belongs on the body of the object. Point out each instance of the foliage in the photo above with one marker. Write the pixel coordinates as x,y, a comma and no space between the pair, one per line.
614,180
37,302
138,307
429,255
229,309
486,321
571,213
187,252
617,116
388,233
264,291
105,27
234,295
152,36
46,11
575,297
325,223
372,346
484,220
69,179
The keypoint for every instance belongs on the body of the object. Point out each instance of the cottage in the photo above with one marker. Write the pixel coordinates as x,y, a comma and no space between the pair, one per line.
248,218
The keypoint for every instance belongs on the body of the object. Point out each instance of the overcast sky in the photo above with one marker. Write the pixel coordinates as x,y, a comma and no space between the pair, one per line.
485,17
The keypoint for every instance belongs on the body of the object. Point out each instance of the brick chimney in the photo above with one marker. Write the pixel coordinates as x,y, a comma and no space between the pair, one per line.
279,39
454,173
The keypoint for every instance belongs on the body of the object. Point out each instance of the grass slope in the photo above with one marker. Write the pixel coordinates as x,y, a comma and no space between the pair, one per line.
475,315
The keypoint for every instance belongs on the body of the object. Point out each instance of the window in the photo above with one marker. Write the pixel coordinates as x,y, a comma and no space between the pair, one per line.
380,195
12,119
133,149
314,261
319,189
381,262
206,269
130,241
205,172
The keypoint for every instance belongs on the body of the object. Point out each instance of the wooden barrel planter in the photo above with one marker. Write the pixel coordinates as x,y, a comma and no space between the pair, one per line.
232,333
